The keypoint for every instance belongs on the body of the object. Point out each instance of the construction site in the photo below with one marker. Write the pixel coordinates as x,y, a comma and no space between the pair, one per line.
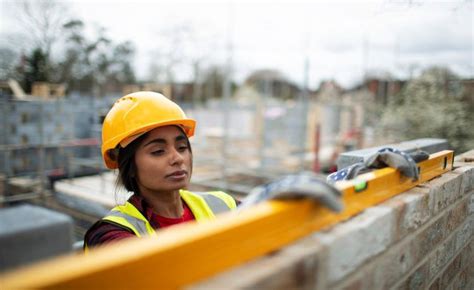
52,169
389,226
45,155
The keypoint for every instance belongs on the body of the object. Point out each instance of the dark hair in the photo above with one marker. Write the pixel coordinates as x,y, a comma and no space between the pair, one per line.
126,163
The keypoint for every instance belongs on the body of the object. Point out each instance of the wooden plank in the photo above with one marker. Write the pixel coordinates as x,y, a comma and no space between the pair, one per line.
187,253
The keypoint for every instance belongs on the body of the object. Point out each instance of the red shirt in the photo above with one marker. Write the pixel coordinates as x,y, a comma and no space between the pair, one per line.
103,232
166,221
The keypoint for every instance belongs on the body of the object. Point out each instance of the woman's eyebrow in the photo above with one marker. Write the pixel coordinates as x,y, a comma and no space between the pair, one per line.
180,138
163,141
157,140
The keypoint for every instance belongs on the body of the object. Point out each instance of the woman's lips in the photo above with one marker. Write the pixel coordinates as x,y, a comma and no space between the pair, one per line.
180,174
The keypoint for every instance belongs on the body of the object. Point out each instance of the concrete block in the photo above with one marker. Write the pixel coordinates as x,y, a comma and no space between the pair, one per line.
352,243
31,233
430,145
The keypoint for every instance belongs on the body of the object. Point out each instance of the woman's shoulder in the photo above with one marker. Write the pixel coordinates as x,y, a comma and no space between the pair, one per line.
104,232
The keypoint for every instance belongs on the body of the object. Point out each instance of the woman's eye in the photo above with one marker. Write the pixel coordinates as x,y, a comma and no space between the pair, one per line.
158,152
182,148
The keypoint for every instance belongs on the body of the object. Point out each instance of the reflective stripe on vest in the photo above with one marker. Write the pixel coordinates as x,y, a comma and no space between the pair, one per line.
216,204
203,205
137,224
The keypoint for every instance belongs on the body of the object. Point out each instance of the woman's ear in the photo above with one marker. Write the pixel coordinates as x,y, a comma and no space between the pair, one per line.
113,154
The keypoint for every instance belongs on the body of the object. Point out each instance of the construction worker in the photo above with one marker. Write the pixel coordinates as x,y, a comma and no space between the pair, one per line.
145,135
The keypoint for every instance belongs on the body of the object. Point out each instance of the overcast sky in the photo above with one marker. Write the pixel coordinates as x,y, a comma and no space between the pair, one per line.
340,39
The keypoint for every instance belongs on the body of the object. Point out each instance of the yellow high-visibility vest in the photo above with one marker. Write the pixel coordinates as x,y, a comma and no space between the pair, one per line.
203,205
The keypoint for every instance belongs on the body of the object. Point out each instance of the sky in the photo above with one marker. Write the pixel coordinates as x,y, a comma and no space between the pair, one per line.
340,40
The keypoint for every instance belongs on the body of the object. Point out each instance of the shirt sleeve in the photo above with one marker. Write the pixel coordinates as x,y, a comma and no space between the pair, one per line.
103,233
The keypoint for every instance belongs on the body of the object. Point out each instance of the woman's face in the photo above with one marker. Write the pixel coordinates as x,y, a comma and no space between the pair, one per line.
163,160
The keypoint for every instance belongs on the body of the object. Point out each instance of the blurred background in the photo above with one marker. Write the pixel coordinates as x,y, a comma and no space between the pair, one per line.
275,86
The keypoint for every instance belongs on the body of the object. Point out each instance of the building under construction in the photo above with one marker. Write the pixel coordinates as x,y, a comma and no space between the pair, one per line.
392,233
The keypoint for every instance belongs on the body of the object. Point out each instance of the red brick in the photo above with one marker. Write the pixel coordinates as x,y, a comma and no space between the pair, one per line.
441,257
467,254
432,236
351,244
444,191
411,209
450,272
467,172
460,281
464,234
418,279
395,263
435,285
470,273
457,215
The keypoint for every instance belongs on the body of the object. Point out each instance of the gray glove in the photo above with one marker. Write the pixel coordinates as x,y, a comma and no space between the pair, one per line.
398,160
303,185
405,163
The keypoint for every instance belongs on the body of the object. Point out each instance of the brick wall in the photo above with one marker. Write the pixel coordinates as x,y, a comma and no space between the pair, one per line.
421,239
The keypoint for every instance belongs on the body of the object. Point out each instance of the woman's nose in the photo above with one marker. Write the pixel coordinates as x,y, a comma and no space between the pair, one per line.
176,157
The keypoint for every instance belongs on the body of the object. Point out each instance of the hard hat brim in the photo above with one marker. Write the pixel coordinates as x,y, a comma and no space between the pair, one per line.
188,126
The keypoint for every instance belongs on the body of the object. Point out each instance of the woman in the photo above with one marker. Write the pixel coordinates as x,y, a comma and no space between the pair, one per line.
145,136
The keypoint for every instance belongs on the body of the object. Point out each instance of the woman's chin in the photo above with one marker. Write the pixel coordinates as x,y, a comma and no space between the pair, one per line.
178,185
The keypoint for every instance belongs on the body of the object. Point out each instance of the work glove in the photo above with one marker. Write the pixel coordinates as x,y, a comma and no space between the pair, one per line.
396,159
303,185
404,162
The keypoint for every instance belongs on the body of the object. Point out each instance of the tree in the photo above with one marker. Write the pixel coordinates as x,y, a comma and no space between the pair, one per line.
37,69
89,64
41,22
431,106
121,70
28,50
92,65
7,63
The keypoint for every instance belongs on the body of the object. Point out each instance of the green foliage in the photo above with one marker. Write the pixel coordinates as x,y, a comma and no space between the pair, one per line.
431,106
37,69
94,64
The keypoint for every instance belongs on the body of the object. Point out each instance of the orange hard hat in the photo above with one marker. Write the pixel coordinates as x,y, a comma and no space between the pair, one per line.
135,114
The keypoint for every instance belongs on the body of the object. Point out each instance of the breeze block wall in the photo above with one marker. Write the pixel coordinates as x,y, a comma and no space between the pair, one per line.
420,239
